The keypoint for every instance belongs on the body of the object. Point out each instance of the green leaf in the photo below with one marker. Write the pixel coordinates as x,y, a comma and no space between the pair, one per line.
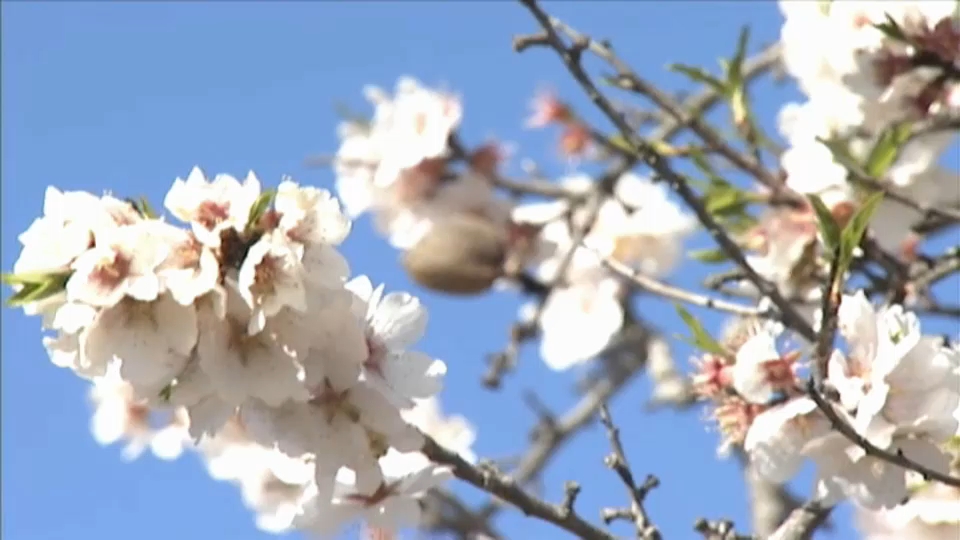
260,207
701,76
891,29
853,233
146,210
886,150
701,338
724,200
824,6
739,223
166,392
825,222
840,151
708,256
702,164
142,206
735,67
25,278
36,290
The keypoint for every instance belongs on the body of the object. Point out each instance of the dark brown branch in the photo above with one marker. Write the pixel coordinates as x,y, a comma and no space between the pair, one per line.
896,458
492,481
829,307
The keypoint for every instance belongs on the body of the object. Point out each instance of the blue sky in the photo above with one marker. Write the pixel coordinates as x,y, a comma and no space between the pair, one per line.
129,95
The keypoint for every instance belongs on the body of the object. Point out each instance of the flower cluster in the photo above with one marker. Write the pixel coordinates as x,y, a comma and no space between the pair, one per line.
879,71
398,166
639,227
898,388
242,336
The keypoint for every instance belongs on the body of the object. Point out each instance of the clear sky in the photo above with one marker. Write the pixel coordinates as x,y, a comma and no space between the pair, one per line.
129,95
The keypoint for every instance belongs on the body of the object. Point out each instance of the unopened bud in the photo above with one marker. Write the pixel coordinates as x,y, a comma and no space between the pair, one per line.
575,139
462,254
842,212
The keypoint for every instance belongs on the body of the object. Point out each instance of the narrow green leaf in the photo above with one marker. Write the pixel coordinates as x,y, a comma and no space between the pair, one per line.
853,233
701,337
146,210
825,222
166,392
260,207
886,150
891,29
701,76
739,223
708,256
735,68
35,291
840,151
724,200
24,278
702,164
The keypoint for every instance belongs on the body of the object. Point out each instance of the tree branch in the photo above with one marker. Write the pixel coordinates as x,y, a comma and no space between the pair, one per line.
492,481
571,59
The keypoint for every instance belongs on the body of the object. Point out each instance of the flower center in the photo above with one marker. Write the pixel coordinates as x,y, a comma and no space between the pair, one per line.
210,214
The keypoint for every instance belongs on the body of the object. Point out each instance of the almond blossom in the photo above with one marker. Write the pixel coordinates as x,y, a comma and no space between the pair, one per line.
897,388
212,206
760,372
123,263
392,505
931,513
244,332
271,279
393,323
897,381
66,230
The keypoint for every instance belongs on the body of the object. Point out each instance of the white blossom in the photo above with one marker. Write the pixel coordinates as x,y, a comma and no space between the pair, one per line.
122,264
391,505
267,365
309,215
212,206
270,279
394,322
760,371
152,341
780,438
897,381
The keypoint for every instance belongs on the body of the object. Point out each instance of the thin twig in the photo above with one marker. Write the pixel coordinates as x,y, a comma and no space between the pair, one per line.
571,59
504,361
496,483
638,494
628,79
654,286
635,343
